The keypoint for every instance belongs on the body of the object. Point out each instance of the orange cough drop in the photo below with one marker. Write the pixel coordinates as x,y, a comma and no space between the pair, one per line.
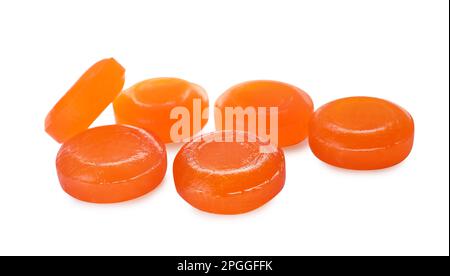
254,100
361,133
84,102
228,172
149,104
111,164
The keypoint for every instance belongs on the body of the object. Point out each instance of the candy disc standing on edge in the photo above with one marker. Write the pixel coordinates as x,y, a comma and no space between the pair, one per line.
148,105
226,173
111,163
295,108
361,133
84,102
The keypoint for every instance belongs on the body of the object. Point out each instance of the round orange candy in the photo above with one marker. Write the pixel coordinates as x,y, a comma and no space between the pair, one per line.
148,105
361,133
295,108
84,102
111,163
228,172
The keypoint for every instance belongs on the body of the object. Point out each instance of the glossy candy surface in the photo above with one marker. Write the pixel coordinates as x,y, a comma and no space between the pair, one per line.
111,163
295,108
226,172
84,102
361,133
148,105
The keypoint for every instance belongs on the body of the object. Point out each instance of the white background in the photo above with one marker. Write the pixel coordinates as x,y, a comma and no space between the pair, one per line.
398,50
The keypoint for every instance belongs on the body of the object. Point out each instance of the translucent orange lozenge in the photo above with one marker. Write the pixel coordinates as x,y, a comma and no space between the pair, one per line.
84,102
361,133
294,106
228,172
111,164
148,104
